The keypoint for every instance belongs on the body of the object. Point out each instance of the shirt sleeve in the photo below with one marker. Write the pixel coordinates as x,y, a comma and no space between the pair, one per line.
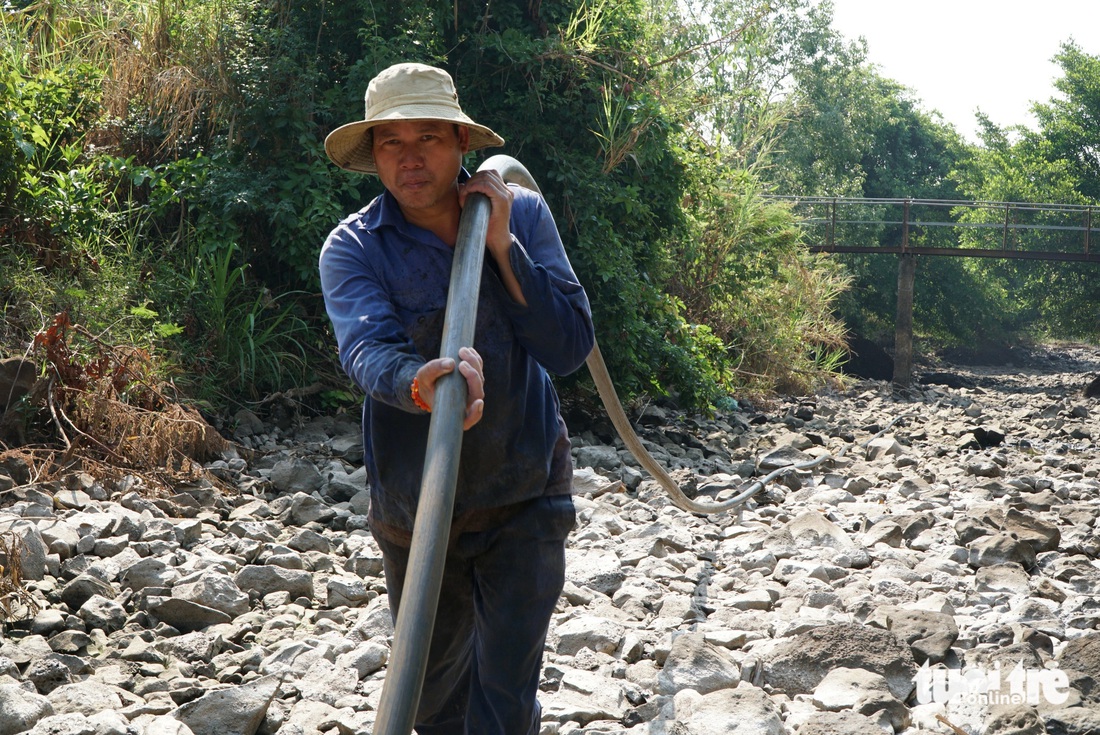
374,349
556,325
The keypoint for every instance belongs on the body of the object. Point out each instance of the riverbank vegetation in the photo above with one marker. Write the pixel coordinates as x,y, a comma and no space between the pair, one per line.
163,183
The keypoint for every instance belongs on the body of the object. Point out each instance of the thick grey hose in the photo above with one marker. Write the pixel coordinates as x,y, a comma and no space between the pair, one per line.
432,525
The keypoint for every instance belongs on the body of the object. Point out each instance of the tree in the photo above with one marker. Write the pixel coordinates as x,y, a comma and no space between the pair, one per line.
1071,124
628,113
1051,298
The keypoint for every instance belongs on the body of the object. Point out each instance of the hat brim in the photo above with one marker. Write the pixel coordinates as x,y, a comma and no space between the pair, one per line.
349,146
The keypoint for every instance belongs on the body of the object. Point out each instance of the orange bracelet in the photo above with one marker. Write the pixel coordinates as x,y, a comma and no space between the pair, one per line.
416,396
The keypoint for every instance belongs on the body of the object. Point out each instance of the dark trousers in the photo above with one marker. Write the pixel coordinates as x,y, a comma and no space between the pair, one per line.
499,590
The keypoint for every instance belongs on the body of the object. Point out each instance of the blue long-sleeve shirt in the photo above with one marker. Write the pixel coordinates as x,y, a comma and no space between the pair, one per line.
385,285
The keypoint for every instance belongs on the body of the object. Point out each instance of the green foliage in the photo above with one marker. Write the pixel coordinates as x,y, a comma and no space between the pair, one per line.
1052,299
744,272
252,343
1070,123
186,164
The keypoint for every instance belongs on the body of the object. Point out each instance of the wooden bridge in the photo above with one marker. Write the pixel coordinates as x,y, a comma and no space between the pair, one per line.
937,227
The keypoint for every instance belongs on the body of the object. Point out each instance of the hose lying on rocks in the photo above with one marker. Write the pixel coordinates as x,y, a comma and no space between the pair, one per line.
679,499
514,172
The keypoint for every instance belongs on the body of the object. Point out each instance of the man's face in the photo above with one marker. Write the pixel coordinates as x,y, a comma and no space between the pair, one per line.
418,162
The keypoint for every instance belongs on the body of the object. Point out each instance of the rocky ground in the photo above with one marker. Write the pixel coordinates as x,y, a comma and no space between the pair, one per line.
938,577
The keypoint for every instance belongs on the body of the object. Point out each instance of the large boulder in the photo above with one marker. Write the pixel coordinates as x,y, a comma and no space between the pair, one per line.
798,664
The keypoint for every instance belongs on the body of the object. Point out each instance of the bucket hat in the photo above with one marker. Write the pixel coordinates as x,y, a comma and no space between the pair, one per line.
402,92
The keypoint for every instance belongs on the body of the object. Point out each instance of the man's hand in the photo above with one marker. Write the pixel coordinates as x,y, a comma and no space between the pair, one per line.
471,367
498,238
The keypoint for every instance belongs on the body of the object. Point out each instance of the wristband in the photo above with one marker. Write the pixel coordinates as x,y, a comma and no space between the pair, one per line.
416,396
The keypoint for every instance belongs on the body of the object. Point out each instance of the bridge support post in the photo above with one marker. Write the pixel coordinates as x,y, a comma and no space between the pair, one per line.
903,323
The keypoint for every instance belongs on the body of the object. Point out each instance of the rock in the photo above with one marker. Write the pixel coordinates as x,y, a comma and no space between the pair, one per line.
247,424
327,682
184,615
32,550
884,446
745,710
346,591
365,659
695,664
20,709
235,710
1014,720
840,723
194,647
1073,721
1083,655
68,724
785,456
83,588
299,476
215,590
597,570
266,579
591,632
99,612
86,697
843,688
798,664
149,572
949,545
1039,534
929,634
1001,548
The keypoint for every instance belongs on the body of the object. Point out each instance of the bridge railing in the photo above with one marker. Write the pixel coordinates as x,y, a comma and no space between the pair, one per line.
950,227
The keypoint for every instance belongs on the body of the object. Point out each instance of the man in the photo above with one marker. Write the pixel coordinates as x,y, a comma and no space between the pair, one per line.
385,271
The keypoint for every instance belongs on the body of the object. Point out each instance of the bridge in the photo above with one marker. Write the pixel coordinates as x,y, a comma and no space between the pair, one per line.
969,229
939,227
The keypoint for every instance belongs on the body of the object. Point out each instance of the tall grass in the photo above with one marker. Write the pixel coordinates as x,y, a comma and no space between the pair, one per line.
746,274
100,96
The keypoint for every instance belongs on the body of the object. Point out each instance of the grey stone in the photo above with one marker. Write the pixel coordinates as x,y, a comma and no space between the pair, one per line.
83,588
21,709
365,659
695,664
1039,534
840,723
1001,548
266,579
184,615
149,572
842,688
68,724
798,664
235,710
929,634
1014,720
194,647
86,697
296,475
99,612
346,591
308,509
745,710
588,631
213,589
599,570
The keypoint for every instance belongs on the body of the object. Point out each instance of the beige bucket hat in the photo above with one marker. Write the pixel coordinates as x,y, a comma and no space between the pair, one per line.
402,92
